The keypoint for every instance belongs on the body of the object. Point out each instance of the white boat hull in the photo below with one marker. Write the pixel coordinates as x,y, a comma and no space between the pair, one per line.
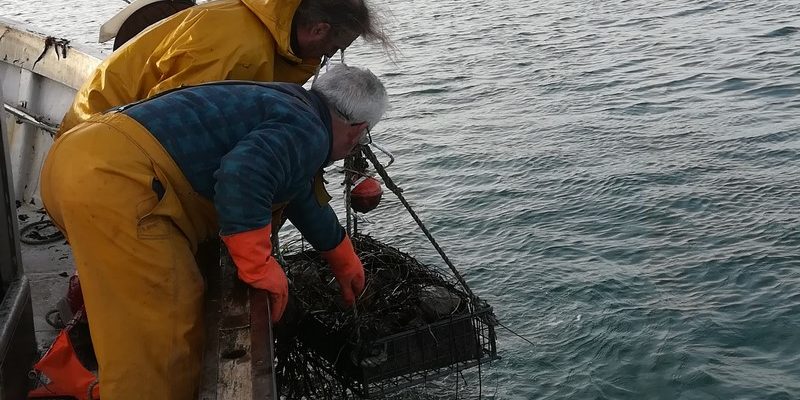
39,75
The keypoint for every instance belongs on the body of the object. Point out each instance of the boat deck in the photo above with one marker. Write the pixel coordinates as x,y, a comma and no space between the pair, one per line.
48,268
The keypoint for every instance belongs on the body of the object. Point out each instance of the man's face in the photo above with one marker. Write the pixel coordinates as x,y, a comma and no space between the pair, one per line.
346,136
322,40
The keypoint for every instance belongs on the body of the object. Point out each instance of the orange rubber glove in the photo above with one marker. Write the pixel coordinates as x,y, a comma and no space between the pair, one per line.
347,268
251,251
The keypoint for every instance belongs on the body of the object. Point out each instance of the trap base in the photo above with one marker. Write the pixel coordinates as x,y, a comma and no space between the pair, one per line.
410,326
406,359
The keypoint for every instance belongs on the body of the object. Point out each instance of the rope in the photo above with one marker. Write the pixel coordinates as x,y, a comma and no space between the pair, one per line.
398,192
354,165
348,185
516,334
56,321
36,238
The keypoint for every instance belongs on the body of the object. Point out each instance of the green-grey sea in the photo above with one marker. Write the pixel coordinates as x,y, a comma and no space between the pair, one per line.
620,179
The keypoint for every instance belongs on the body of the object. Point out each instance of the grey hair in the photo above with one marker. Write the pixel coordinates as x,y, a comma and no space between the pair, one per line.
344,16
355,92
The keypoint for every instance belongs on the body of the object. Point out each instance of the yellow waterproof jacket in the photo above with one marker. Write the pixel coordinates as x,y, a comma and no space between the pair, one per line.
219,40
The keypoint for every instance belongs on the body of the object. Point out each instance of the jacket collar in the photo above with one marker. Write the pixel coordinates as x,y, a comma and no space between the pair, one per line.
277,16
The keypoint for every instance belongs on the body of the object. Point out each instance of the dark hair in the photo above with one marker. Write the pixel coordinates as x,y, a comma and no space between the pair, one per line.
351,16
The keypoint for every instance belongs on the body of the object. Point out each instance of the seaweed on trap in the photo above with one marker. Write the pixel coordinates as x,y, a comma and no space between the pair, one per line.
326,350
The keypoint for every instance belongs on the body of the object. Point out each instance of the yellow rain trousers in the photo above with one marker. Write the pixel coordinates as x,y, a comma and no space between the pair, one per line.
218,40
134,253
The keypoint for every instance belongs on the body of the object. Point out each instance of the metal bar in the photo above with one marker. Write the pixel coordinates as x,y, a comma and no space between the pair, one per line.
26,117
17,338
348,185
10,259
384,151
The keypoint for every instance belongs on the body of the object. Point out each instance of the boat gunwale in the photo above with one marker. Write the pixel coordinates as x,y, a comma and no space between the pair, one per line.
25,48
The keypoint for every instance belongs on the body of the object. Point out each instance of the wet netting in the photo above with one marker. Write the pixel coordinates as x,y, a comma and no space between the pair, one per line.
409,326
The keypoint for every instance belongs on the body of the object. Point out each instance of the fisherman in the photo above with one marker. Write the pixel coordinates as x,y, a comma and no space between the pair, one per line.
136,189
258,40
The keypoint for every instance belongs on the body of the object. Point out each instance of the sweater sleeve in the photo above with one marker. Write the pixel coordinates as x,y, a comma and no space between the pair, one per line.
318,224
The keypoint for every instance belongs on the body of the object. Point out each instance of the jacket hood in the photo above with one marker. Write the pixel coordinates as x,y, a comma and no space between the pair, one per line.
277,16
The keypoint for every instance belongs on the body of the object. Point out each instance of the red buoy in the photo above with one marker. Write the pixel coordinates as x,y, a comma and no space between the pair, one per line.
366,194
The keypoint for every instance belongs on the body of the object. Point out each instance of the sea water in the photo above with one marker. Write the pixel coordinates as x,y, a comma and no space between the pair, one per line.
619,179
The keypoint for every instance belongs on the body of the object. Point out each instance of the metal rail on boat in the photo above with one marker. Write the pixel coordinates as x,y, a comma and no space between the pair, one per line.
17,343
23,116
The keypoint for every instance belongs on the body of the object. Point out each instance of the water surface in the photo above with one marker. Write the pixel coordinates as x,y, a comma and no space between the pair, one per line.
618,178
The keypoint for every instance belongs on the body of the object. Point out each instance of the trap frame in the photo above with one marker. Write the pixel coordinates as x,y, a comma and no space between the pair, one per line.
362,350
412,357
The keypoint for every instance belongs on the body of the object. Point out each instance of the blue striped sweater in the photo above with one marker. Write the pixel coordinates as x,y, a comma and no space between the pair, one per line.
246,146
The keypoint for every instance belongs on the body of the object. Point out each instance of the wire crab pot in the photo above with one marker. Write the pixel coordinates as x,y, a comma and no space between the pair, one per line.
410,326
